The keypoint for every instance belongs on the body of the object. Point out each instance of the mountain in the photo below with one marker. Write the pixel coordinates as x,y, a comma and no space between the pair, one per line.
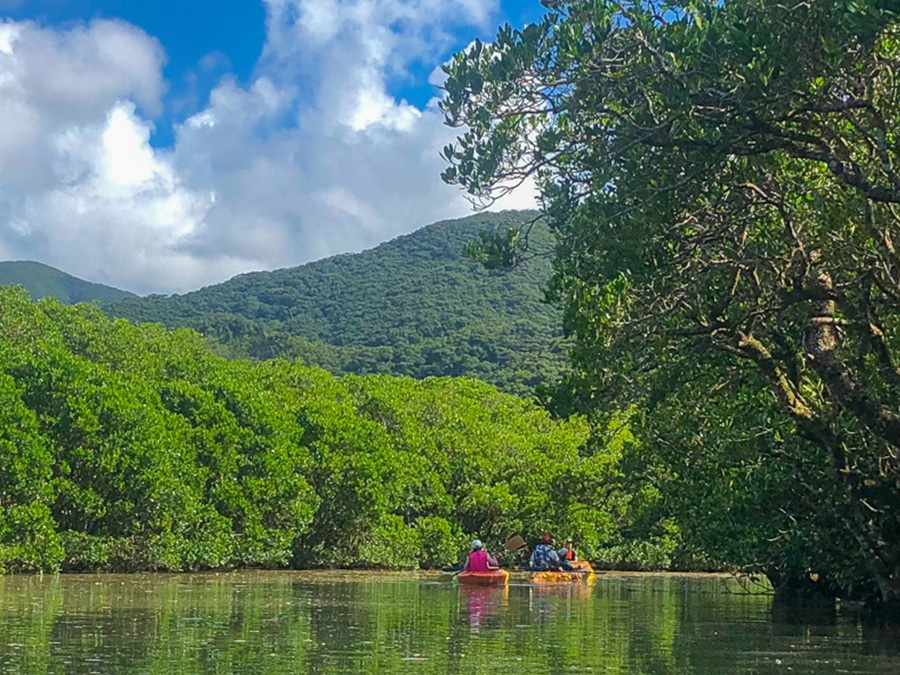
42,280
412,306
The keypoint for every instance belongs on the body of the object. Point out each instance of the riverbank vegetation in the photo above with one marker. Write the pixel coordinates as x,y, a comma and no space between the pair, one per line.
127,447
723,180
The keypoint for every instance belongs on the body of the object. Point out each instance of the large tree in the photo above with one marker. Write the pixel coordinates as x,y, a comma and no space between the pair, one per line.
724,182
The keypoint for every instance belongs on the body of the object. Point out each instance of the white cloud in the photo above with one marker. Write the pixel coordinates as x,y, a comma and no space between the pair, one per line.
314,156
80,186
8,35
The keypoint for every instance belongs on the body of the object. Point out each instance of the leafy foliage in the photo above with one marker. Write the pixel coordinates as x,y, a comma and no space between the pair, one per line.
413,306
722,178
132,447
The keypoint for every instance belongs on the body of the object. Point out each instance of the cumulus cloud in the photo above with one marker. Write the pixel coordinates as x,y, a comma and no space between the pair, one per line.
314,156
80,186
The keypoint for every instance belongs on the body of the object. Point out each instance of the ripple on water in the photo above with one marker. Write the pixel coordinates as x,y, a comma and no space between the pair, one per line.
279,623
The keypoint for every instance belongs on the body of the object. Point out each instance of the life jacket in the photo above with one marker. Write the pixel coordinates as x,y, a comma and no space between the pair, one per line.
478,561
570,554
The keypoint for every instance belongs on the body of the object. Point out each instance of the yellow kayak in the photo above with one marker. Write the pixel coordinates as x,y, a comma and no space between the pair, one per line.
581,573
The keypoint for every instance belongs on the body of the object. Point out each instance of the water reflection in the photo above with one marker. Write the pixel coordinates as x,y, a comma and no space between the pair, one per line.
280,623
483,602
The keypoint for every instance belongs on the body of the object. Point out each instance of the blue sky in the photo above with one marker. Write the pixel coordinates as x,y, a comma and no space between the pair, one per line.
204,42
161,146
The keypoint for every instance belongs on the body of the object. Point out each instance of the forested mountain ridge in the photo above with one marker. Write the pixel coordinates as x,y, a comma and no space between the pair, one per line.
42,280
412,306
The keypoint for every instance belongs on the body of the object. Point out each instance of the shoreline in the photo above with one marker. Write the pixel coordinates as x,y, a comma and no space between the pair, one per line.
335,573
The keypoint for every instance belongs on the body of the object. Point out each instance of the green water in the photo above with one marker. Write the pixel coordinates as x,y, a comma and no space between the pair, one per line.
275,623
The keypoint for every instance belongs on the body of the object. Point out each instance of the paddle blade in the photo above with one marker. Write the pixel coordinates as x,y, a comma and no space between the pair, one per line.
514,543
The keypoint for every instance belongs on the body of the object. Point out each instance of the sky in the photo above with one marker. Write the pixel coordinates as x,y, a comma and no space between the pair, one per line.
163,146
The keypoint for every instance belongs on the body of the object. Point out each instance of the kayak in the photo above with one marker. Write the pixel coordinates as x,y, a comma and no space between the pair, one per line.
553,577
581,572
492,578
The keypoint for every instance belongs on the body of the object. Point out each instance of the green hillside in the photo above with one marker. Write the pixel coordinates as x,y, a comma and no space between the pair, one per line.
412,306
43,281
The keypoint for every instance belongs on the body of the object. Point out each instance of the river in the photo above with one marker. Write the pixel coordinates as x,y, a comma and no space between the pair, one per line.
280,623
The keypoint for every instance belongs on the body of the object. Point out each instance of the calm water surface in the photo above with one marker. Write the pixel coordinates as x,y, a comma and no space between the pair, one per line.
275,623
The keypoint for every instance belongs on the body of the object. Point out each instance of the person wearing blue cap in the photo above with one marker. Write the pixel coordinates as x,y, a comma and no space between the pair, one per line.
479,560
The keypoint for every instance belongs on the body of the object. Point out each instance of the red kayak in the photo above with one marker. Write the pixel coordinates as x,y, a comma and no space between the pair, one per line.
491,578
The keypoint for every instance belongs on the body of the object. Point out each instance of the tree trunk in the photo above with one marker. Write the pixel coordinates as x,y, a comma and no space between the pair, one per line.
822,342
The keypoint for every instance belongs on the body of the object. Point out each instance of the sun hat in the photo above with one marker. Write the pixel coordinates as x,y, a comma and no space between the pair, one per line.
476,544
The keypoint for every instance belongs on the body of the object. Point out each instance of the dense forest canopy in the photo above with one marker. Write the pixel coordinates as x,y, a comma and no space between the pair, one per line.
133,447
43,281
413,306
723,181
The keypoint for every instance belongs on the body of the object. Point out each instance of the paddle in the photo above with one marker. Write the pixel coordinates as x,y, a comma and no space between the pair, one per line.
456,570
514,543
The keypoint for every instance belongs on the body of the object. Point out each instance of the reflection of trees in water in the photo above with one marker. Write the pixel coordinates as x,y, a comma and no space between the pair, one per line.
886,636
284,623
550,600
28,610
151,623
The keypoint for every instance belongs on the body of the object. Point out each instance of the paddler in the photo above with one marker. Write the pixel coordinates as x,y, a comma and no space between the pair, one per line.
543,557
567,552
479,560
